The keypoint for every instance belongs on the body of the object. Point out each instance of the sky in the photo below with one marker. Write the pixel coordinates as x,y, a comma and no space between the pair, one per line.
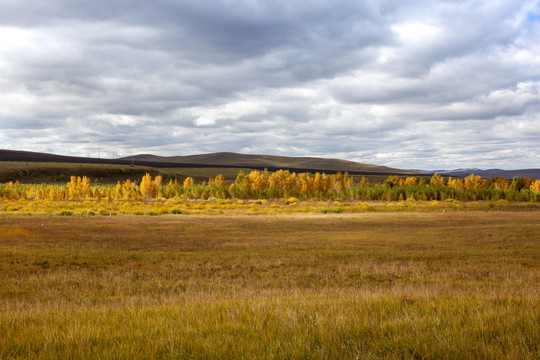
407,84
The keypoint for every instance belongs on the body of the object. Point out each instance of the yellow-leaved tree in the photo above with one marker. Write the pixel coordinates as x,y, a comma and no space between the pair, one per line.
156,186
473,182
150,188
456,184
146,186
535,186
436,180
78,187
188,182
321,182
128,190
410,181
364,181
306,184
220,181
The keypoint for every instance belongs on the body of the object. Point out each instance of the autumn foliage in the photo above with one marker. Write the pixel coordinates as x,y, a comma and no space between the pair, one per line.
284,184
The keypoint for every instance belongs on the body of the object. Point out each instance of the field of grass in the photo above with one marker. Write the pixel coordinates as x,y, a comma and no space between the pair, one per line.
203,174
52,172
369,285
187,206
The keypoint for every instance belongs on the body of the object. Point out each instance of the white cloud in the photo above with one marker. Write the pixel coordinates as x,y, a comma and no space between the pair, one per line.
230,111
414,32
411,85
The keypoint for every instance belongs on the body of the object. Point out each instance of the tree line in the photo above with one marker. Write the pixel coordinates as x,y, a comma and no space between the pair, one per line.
284,184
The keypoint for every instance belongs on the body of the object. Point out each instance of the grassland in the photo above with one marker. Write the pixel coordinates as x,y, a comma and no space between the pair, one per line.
246,207
202,174
52,172
368,285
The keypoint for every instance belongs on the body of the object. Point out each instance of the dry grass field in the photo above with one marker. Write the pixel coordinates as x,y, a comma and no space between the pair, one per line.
53,172
410,285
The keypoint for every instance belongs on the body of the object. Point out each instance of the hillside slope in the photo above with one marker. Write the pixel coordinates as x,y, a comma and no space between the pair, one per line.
229,159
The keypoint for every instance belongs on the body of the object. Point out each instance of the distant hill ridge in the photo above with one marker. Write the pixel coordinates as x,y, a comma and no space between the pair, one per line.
491,173
218,160
230,159
258,162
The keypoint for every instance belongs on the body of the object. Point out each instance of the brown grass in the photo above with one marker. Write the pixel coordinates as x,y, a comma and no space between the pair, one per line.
369,285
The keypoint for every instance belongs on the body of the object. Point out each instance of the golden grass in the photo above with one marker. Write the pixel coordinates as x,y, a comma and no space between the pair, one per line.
461,284
236,206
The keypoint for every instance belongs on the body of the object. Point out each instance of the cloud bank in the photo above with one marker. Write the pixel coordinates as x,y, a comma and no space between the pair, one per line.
426,85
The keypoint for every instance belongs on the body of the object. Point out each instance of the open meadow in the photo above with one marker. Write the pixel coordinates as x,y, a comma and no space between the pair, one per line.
409,284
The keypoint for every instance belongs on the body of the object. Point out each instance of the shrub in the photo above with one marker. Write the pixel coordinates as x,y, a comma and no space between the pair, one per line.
291,201
104,212
333,209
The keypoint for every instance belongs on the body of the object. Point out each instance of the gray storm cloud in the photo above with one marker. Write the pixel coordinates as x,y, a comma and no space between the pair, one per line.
411,85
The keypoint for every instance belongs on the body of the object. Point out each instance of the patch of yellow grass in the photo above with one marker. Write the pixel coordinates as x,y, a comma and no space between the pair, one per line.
9,232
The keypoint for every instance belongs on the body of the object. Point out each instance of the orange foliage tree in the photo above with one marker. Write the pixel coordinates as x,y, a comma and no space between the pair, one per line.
437,180
78,187
473,182
188,182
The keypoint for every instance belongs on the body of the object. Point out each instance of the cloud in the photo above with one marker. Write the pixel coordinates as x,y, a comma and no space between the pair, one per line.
411,85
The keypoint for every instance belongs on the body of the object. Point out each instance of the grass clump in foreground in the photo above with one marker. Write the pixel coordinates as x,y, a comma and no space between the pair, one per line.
368,285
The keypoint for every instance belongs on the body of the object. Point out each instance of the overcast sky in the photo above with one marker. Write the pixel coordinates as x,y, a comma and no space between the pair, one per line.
407,84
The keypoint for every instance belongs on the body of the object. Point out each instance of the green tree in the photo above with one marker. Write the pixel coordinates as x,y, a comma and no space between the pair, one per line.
517,184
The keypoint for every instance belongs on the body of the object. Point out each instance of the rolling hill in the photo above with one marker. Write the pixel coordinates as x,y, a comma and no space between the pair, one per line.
216,160
34,167
232,161
271,162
